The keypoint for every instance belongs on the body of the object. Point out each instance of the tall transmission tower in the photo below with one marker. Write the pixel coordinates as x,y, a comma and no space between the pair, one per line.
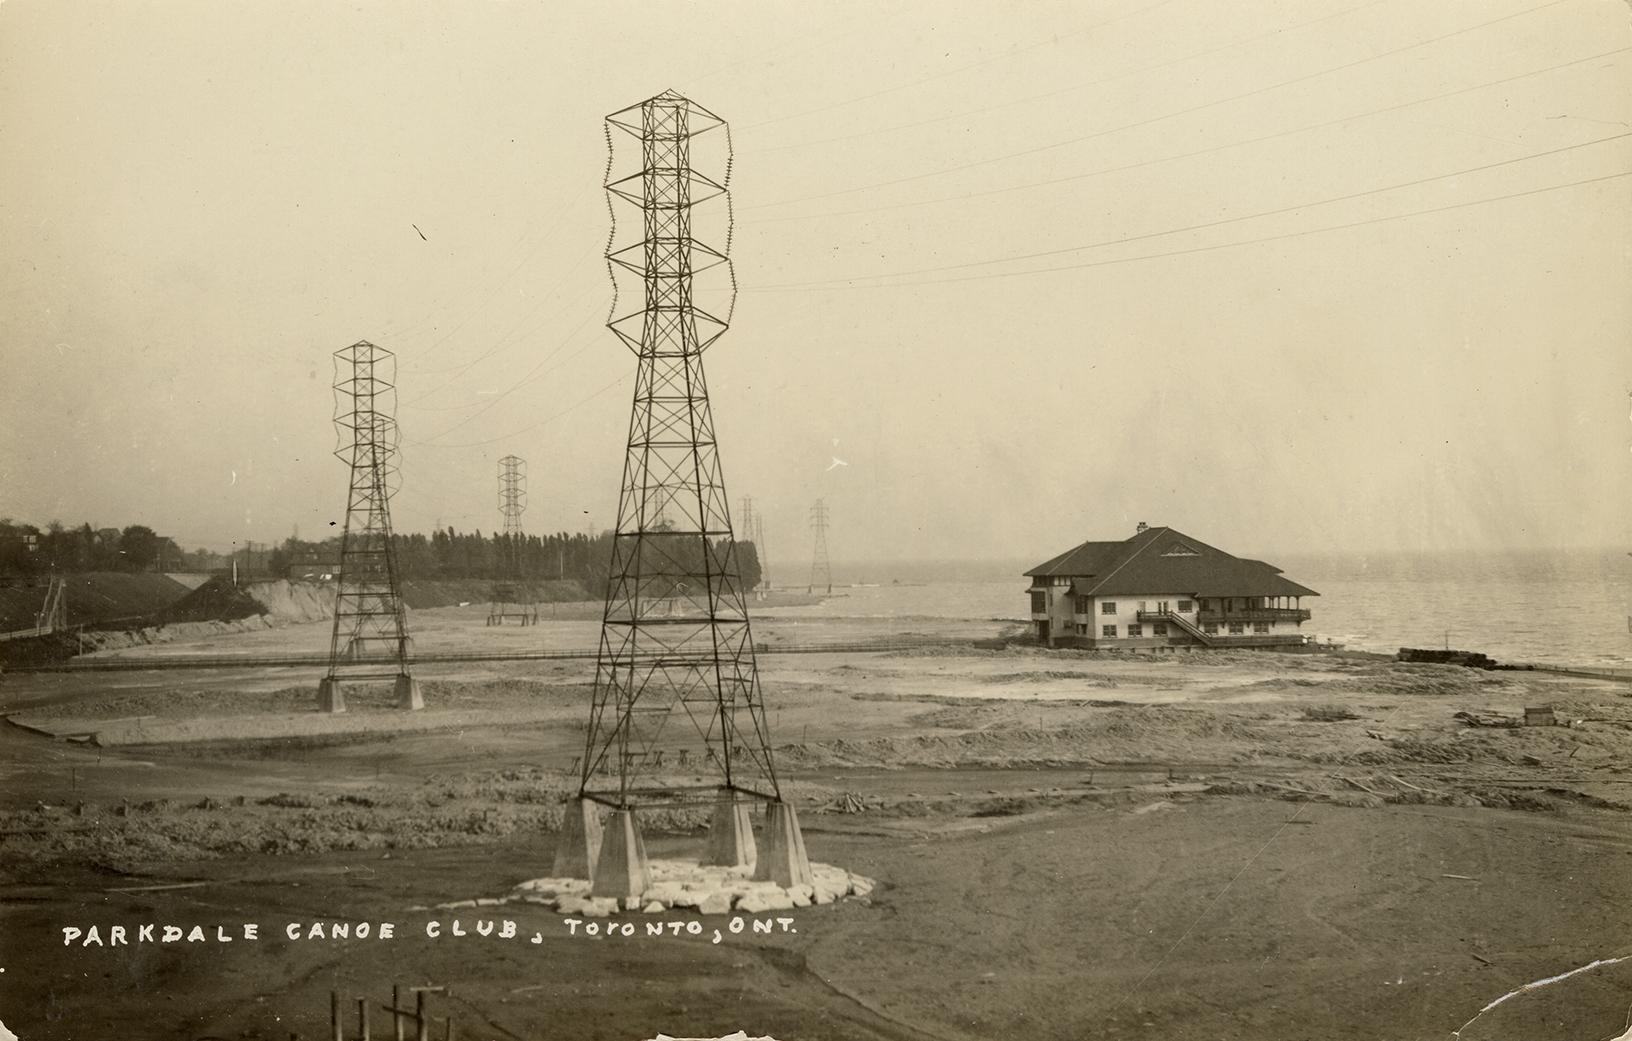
677,716
512,501
370,637
820,573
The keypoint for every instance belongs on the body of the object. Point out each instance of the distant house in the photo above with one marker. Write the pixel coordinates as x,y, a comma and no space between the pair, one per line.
1162,590
314,564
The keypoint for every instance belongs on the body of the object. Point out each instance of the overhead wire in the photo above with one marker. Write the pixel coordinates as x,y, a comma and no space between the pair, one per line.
1023,153
533,426
1011,52
1214,246
808,143
460,370
527,378
1211,149
1310,204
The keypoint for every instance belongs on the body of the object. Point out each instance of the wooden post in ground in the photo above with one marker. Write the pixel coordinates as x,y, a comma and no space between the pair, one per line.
396,1012
422,1022
335,1030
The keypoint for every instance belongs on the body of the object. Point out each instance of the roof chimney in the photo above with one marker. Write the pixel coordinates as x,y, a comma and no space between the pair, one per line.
1141,529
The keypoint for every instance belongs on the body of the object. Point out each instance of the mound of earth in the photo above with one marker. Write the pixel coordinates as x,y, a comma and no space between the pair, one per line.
94,598
217,600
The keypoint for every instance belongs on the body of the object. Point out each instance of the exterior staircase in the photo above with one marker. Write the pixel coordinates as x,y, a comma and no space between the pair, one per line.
1185,624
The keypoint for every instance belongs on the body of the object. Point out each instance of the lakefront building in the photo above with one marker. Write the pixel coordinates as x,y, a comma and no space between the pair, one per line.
1162,590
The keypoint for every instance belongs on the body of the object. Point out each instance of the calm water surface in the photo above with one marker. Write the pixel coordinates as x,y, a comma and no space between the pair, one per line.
1558,608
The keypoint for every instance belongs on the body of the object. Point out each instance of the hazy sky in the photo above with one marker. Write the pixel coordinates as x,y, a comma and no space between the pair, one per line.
1034,272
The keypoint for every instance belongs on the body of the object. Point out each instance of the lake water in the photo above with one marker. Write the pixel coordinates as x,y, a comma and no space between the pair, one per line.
1561,608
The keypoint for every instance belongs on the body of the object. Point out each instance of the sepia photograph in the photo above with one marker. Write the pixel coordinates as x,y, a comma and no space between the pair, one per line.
836,521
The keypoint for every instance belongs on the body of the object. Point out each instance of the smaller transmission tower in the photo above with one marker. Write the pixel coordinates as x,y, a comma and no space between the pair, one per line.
820,573
370,637
512,493
759,547
509,601
747,524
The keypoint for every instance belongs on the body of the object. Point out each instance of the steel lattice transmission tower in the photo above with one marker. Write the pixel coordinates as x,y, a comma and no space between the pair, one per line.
759,547
747,521
677,716
512,502
370,638
820,573
512,493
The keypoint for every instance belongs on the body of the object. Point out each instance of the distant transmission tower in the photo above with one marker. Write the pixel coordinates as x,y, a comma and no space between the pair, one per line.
677,717
370,638
820,573
759,547
745,524
512,493
512,501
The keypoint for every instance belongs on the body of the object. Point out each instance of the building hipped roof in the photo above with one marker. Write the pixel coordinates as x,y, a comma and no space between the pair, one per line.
1162,560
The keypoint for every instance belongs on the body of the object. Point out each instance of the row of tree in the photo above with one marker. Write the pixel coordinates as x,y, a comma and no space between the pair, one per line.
27,550
453,554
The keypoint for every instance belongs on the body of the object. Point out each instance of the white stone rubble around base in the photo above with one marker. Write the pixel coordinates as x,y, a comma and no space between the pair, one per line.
685,885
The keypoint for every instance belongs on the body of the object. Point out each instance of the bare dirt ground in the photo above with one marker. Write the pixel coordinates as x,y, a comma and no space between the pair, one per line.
1221,846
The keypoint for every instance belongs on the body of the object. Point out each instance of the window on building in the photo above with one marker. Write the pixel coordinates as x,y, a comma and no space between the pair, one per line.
1260,627
1108,631
1082,605
1185,606
1136,630
1039,603
1210,628
1237,628
1082,630
1159,629
1107,607
1061,580
1143,606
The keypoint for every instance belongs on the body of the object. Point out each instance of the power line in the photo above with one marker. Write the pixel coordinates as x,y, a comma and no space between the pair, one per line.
1011,52
1067,90
1215,246
525,429
1157,119
555,224
530,375
1197,152
1231,220
458,371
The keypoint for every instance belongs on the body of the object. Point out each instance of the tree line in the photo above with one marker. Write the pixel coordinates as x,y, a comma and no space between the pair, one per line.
27,550
448,553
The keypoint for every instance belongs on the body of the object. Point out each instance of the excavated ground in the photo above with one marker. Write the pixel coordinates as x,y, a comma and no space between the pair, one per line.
1235,846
